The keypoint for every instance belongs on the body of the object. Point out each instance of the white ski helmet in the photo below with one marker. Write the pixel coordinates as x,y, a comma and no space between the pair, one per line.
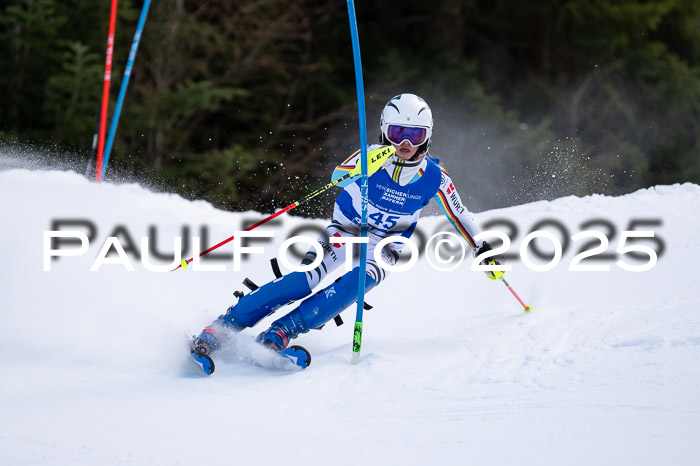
407,117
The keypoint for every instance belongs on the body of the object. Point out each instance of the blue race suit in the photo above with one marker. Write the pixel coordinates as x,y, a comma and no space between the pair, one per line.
396,195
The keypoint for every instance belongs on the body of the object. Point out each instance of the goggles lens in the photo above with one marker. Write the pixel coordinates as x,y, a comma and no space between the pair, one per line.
415,136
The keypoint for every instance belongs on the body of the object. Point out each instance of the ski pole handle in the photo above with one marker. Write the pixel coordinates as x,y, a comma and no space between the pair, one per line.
526,307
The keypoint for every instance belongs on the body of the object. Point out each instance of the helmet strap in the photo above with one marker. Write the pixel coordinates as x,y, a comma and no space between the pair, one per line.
418,156
422,151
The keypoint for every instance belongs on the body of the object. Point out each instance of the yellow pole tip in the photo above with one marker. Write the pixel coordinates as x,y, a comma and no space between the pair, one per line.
528,309
183,263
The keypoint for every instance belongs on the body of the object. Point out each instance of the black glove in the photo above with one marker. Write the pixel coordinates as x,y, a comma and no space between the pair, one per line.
492,260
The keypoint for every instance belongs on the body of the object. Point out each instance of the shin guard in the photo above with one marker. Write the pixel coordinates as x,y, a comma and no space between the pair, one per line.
317,310
265,300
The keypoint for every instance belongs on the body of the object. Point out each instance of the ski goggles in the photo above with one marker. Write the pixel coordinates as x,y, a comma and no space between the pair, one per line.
397,134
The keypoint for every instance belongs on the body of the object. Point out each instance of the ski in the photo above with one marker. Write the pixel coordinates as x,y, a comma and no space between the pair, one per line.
298,355
289,359
204,362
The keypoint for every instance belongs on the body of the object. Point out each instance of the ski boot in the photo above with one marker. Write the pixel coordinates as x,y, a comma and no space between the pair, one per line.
201,347
207,341
276,341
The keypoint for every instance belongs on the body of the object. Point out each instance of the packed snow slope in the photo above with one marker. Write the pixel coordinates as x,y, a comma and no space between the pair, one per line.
605,371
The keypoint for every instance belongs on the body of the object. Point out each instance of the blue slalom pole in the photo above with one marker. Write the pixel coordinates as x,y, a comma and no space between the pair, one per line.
125,84
357,336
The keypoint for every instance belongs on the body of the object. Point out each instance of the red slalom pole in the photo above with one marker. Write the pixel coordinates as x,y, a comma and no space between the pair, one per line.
105,91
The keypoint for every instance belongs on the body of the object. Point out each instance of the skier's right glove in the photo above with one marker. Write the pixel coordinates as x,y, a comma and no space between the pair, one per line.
493,260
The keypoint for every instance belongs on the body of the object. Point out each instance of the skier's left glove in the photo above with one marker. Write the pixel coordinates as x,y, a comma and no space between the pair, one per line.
493,260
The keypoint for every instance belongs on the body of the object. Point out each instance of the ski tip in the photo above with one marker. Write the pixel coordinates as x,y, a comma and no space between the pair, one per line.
204,362
298,355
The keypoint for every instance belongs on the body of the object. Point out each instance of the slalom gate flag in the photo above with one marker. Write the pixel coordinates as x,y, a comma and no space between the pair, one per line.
124,85
105,91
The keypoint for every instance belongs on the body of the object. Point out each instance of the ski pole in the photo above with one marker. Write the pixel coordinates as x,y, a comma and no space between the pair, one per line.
376,159
526,307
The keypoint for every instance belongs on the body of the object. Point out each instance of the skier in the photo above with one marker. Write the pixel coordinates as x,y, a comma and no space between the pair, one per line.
397,193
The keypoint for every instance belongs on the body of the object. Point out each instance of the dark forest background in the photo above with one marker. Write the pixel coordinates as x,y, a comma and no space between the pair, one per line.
249,104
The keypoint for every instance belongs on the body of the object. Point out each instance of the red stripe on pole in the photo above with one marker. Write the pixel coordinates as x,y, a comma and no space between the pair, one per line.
105,91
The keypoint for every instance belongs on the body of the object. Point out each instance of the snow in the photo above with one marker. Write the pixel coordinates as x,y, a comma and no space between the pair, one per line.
606,370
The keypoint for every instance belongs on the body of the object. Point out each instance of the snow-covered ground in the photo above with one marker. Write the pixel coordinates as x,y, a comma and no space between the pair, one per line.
606,371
